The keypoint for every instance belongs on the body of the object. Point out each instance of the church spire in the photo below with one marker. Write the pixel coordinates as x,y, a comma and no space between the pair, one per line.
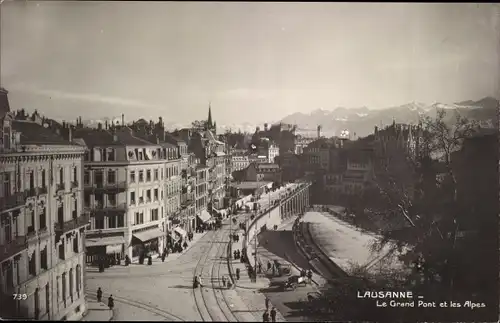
209,120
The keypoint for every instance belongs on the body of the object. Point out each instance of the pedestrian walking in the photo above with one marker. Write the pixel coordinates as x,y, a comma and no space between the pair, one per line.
99,294
237,274
224,281
185,245
111,302
268,265
267,303
273,314
200,282
260,267
265,317
310,275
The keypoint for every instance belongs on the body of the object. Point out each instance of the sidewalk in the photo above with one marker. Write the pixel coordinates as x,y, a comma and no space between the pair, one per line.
121,270
97,312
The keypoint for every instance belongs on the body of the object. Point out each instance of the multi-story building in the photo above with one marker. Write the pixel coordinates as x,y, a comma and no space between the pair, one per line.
188,195
261,172
291,166
269,150
125,181
42,223
201,193
257,159
239,162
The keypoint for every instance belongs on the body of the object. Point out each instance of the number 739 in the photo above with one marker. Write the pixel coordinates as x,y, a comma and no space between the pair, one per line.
20,297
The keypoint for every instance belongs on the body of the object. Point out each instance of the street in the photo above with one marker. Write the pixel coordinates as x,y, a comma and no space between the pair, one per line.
280,245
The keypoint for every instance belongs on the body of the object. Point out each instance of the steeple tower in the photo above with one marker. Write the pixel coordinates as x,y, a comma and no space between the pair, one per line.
209,120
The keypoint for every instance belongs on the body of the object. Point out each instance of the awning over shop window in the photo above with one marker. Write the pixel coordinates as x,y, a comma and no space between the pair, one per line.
204,216
180,231
105,241
148,234
117,248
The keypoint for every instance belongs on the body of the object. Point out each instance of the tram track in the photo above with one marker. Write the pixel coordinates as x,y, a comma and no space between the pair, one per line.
204,305
127,301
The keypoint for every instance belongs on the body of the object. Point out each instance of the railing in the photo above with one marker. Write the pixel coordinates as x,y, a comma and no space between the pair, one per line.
109,208
117,186
12,201
72,224
60,187
12,248
74,184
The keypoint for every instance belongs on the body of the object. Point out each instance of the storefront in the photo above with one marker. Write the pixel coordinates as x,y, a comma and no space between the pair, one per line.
204,217
147,241
98,248
180,233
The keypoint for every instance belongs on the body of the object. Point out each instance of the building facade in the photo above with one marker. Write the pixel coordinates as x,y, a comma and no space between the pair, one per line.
126,181
42,224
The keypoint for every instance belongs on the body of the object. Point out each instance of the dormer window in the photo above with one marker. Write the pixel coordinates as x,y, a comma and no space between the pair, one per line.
6,137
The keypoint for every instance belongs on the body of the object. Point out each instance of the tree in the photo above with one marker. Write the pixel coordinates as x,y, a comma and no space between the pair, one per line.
420,212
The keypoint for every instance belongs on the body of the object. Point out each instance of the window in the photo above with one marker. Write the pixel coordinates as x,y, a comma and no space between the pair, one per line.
112,199
58,288
148,175
78,279
31,221
148,195
71,284
6,138
31,180
111,154
44,179
111,221
139,218
32,264
44,259
74,213
64,288
86,177
47,298
120,221
42,219
62,252
141,176
86,199
61,176
60,214
99,223
154,215
156,194
162,174
37,304
132,176
75,244
75,174
156,174
111,177
132,197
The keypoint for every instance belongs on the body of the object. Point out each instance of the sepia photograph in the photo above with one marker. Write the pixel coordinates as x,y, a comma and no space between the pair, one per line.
249,161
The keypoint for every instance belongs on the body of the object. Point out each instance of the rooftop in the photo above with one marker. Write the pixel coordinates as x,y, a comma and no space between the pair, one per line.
34,133
102,137
249,185
267,165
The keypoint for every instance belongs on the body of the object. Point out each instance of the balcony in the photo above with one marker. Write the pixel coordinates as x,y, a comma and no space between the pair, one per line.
109,208
60,187
74,185
116,187
12,248
12,201
72,224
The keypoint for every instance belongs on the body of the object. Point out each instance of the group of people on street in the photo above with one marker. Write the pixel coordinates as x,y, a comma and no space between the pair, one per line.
269,314
111,301
236,237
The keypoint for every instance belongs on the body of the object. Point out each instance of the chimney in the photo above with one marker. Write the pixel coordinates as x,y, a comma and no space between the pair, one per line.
265,126
64,124
319,131
106,124
157,140
70,134
99,126
123,119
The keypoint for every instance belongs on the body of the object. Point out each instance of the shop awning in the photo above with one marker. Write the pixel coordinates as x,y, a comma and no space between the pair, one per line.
148,234
105,241
204,216
111,249
180,231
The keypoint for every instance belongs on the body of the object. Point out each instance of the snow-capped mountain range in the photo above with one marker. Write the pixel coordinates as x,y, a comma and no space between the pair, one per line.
363,120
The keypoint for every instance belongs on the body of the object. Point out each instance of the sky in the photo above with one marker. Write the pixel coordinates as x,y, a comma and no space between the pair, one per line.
255,62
